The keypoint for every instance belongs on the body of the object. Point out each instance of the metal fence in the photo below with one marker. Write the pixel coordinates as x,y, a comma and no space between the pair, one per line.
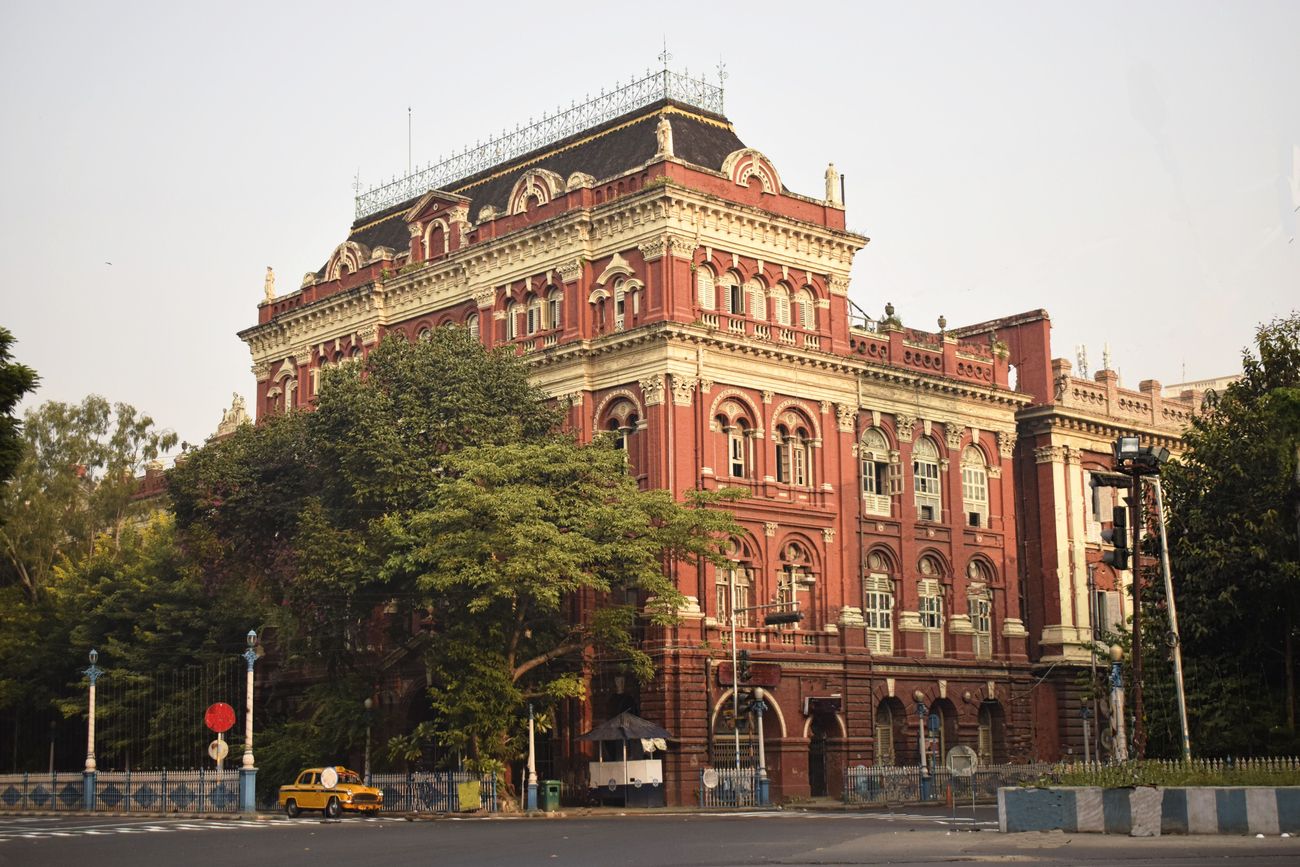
909,785
437,792
728,787
199,791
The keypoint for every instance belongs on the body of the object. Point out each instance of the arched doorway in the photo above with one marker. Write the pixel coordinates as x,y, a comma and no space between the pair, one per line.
891,732
941,731
992,747
824,726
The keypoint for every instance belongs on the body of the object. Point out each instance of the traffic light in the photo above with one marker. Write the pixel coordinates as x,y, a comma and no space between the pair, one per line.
783,617
745,670
1117,535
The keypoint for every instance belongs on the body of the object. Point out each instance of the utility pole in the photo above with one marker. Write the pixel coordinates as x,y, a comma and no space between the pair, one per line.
1139,730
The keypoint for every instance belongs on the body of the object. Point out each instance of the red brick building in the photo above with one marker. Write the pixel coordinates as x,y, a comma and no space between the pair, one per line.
665,285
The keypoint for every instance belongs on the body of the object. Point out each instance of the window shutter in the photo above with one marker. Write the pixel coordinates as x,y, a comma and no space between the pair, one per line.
1114,615
705,288
895,478
884,743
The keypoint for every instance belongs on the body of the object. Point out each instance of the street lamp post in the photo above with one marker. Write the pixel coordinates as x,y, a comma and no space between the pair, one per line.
248,773
1117,703
368,704
919,697
532,764
88,775
764,785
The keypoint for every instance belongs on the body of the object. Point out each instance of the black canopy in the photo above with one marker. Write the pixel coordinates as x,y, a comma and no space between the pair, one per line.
625,727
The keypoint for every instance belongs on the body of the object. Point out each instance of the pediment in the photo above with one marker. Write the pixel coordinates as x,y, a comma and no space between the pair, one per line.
432,203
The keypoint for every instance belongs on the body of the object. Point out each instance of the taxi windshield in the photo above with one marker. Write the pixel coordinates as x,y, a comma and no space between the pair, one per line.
349,777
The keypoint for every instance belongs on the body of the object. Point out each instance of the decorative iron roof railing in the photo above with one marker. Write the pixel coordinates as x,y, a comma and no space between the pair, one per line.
663,84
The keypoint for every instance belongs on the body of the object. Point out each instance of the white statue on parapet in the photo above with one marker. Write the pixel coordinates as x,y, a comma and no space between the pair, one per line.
664,137
232,418
832,185
268,285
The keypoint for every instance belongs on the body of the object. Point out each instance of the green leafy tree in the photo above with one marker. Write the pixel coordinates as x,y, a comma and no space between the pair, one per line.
1234,517
510,537
74,486
431,480
15,381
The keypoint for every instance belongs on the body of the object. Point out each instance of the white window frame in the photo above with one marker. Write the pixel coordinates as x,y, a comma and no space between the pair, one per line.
980,608
929,605
878,612
927,484
974,487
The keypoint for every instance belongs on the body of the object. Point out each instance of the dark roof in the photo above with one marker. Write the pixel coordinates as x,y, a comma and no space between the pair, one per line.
604,151
627,726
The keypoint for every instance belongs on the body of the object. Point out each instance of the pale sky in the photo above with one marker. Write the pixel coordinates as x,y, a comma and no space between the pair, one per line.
1131,167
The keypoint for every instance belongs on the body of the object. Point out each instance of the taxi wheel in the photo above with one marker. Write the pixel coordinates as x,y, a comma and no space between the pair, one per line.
333,809
291,808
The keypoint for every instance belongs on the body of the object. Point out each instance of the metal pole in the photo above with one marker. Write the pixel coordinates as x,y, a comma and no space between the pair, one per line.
1173,623
735,676
1117,707
1139,729
250,657
368,704
1092,662
760,707
532,764
93,673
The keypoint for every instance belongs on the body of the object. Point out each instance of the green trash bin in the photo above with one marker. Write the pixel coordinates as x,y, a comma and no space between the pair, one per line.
550,796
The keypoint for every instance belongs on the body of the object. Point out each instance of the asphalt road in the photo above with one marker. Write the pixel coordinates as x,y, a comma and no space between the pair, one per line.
638,841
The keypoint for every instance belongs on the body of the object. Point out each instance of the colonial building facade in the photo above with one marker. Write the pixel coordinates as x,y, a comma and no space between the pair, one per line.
668,289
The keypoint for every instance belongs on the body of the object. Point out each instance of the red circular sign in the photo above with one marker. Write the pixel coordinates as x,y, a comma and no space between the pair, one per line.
219,717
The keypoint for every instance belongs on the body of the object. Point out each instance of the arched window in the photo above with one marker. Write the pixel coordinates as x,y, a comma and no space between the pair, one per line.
807,309
734,583
878,604
733,299
781,304
876,468
795,578
980,607
554,309
437,242
793,452
620,305
930,604
755,299
705,288
974,487
534,306
890,731
425,335
622,422
734,422
512,320
471,322
925,480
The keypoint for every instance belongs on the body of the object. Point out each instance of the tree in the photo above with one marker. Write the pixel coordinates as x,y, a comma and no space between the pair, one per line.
511,537
15,381
75,480
1234,533
430,483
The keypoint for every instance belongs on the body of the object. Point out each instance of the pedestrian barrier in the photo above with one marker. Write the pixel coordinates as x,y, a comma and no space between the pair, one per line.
728,787
437,792
200,791
911,785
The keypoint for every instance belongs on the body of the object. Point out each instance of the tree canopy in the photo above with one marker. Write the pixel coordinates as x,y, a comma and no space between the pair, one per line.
15,381
1234,516
431,494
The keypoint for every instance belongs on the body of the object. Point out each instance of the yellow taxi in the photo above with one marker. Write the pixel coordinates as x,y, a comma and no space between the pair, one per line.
330,790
